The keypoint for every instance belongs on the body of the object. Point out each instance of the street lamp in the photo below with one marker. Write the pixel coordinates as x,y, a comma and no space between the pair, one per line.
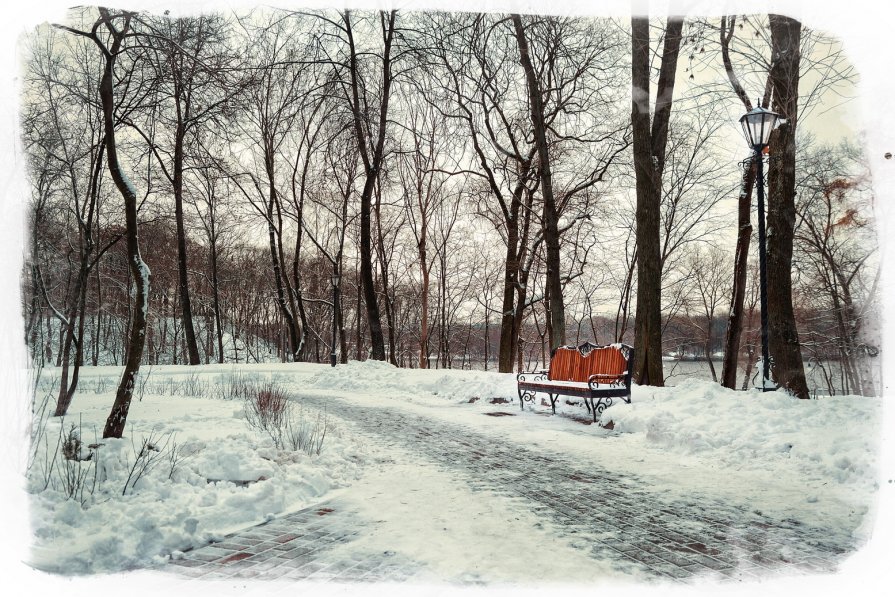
335,281
757,126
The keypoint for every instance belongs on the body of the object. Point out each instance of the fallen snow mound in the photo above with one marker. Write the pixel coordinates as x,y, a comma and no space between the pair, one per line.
225,477
836,438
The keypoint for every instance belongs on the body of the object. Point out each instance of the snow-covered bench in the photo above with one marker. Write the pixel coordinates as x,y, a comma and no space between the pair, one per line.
596,373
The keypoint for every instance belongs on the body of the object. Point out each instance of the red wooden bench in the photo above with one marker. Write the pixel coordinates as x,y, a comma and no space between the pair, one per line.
596,373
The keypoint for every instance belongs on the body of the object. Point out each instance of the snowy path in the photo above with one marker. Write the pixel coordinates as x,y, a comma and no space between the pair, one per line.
578,520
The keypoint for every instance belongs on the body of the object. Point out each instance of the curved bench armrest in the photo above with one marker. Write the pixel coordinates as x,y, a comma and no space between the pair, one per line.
539,375
613,379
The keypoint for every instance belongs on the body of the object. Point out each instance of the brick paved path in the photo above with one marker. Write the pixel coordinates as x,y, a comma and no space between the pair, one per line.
615,518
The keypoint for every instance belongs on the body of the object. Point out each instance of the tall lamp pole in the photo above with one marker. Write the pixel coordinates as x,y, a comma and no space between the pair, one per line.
335,281
757,126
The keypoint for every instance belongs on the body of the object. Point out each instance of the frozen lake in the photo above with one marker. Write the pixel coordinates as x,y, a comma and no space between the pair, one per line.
816,373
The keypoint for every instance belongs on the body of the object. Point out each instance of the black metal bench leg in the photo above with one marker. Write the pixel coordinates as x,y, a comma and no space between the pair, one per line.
553,399
597,406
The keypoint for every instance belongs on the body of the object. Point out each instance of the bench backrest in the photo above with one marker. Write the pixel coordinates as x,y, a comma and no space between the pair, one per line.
569,364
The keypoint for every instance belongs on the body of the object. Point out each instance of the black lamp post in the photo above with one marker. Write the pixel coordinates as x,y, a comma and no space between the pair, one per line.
757,126
335,281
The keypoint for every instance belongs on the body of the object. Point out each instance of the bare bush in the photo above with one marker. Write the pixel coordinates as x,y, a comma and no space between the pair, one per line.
269,411
152,452
175,458
40,413
142,380
237,386
193,386
101,385
76,469
305,435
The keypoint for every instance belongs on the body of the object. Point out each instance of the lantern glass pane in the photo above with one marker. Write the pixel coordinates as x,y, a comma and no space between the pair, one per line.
744,122
756,130
769,119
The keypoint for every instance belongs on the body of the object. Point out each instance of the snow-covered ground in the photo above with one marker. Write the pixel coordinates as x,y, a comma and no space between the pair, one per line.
812,460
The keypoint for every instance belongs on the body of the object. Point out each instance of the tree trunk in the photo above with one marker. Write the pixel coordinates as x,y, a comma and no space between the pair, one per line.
509,332
139,271
186,307
786,356
557,317
372,167
386,286
276,261
424,295
216,300
649,159
374,318
738,291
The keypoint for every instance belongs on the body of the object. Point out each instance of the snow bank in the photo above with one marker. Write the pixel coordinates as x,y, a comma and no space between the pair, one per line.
228,477
835,438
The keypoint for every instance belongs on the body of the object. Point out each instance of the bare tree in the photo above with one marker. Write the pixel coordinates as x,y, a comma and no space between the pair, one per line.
550,215
282,86
710,283
190,60
423,170
649,161
110,32
368,101
783,336
833,252
65,136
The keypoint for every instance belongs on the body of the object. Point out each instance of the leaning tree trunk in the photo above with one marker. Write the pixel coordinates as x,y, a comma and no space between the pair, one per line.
557,320
783,337
738,292
138,269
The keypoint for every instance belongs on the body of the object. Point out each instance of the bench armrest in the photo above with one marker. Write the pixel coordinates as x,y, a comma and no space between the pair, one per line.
539,375
613,379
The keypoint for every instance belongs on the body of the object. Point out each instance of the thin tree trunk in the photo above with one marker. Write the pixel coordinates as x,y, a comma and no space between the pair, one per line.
276,262
383,268
186,307
424,298
216,300
622,313
738,291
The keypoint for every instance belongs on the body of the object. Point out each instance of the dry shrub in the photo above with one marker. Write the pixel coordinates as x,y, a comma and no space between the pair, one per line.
269,411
